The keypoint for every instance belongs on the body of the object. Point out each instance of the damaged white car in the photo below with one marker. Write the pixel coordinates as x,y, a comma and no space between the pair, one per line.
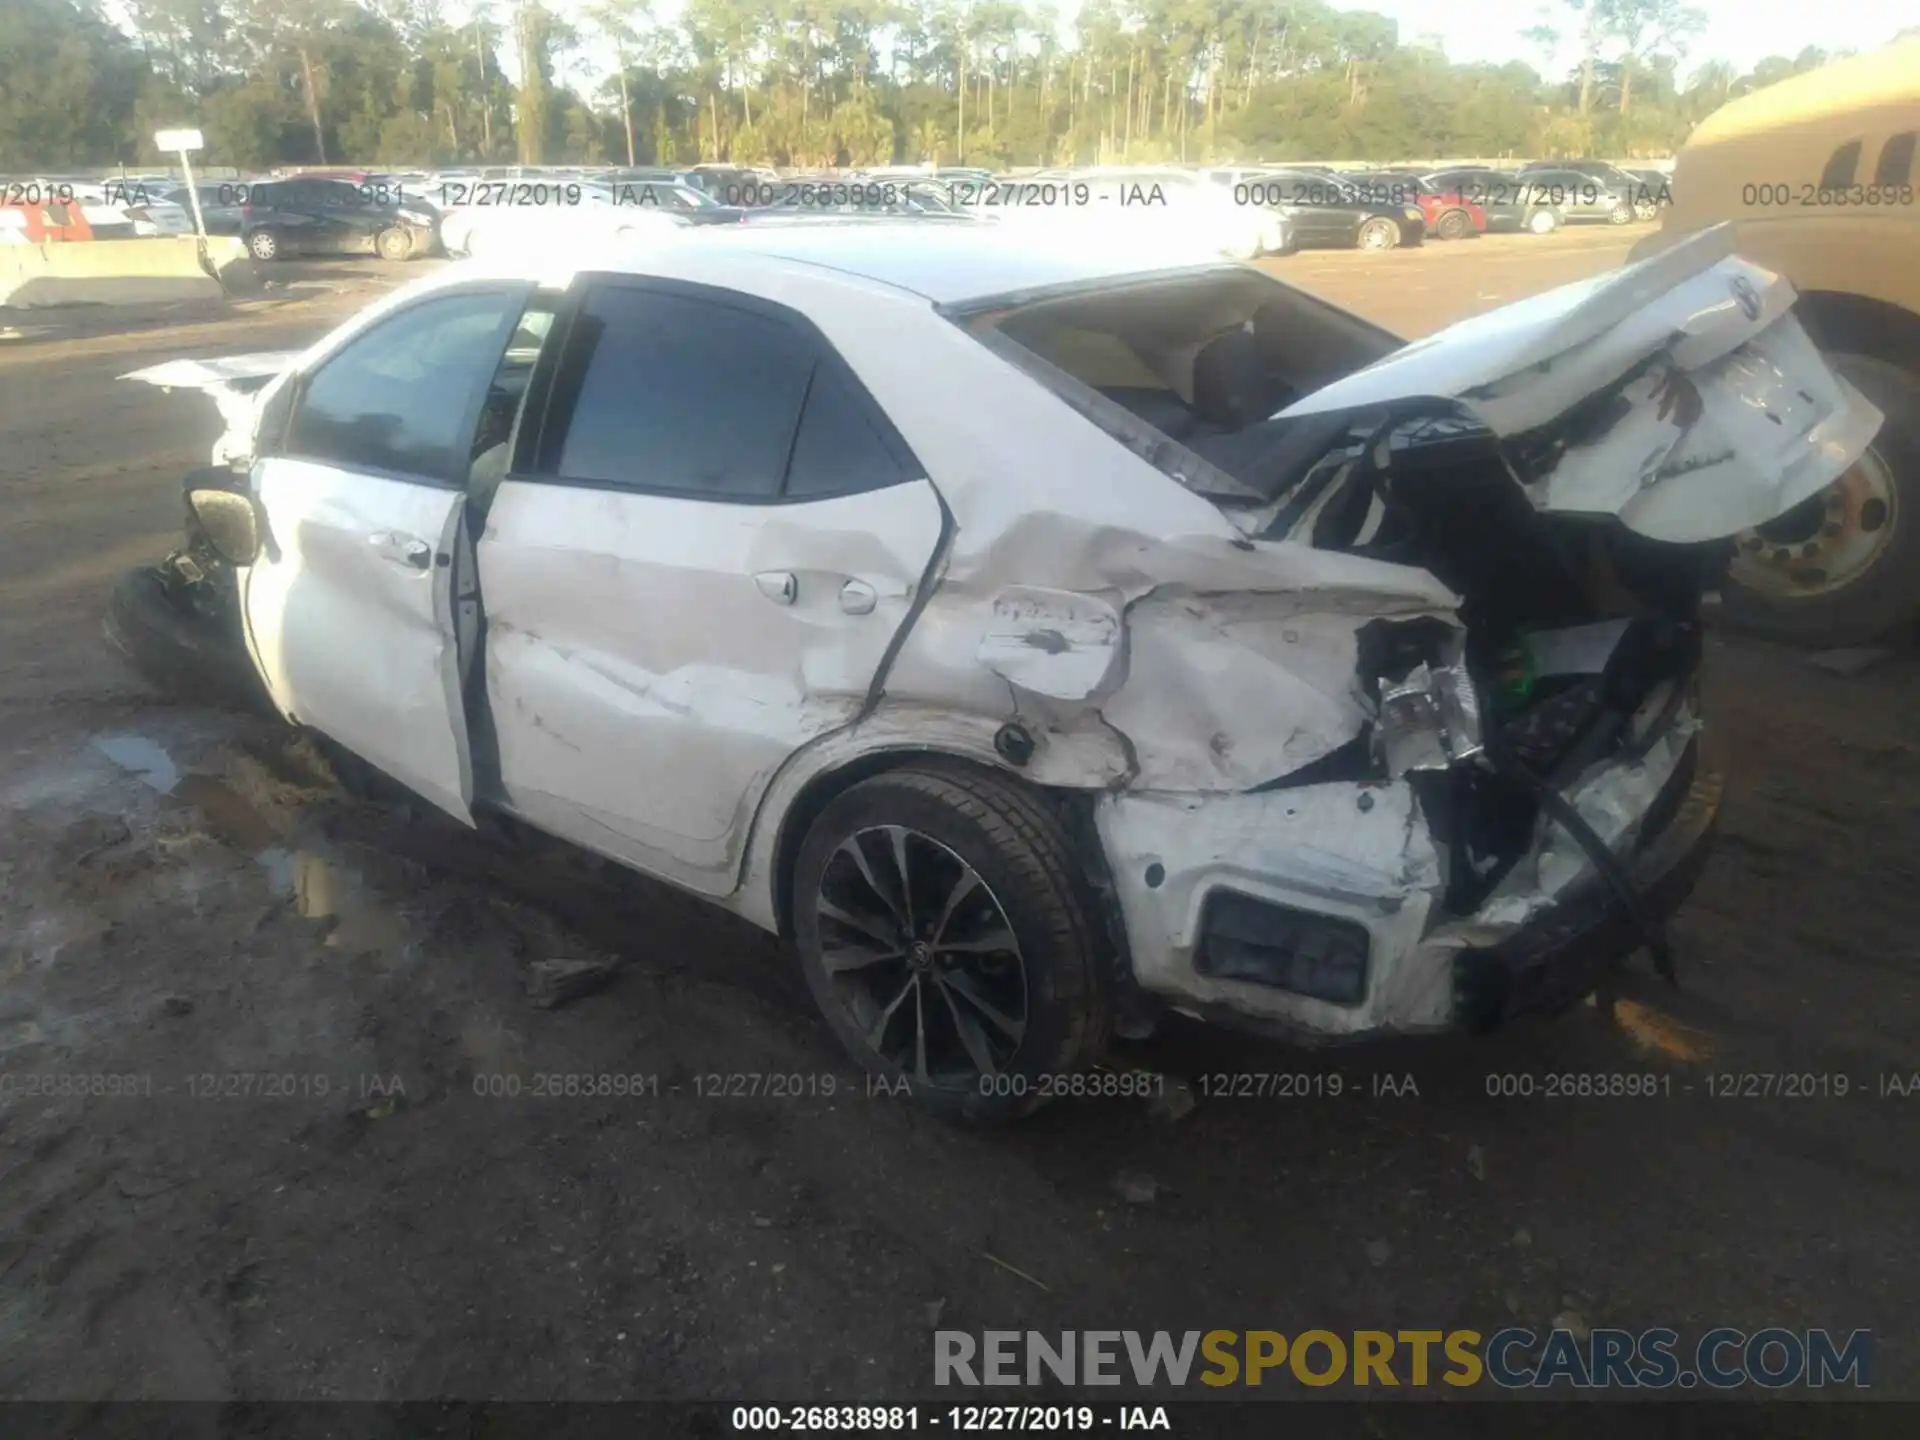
1043,640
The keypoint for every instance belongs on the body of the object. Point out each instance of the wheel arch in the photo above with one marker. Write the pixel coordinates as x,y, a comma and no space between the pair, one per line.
1838,321
825,786
1074,806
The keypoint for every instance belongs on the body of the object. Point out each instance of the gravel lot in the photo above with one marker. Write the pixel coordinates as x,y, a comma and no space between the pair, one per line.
184,894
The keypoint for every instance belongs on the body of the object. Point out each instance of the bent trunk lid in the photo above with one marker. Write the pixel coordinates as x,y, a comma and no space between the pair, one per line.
1678,394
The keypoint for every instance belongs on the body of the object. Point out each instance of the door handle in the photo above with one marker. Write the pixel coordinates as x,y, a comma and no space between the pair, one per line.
407,549
780,586
857,597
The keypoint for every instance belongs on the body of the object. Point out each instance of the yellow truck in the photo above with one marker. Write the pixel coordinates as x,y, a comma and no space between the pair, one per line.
1817,177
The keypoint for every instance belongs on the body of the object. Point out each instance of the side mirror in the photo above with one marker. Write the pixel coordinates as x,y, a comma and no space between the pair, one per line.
231,522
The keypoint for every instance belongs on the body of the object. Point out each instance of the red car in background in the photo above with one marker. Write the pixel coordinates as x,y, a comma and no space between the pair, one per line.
1449,214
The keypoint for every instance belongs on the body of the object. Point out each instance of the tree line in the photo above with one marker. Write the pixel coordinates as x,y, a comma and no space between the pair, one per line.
807,83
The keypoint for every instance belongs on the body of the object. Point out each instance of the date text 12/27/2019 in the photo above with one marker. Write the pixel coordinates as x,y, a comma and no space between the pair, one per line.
957,1419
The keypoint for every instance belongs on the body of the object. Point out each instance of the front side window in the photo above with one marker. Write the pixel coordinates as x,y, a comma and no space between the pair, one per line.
404,397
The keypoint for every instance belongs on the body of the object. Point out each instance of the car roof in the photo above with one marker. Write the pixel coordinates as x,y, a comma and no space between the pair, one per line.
945,264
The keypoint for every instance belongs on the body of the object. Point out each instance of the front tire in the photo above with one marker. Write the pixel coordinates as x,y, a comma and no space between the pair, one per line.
1454,225
393,243
950,942
1543,222
263,245
179,649
1844,567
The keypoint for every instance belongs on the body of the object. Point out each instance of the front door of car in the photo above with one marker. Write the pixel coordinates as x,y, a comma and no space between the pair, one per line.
292,211
350,604
696,566
344,224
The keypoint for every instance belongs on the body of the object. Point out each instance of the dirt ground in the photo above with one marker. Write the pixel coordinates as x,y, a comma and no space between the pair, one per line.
185,896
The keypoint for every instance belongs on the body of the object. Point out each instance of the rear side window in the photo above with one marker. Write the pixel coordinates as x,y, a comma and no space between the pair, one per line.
838,450
405,397
1896,161
665,392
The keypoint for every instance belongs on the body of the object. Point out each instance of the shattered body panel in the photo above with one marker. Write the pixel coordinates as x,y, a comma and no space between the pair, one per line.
233,382
1731,417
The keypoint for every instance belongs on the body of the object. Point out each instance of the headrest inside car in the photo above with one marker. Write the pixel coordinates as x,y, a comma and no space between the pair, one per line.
1230,384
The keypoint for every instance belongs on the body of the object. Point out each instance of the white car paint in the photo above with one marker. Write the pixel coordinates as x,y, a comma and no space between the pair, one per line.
655,702
160,217
517,229
648,627
1738,422
352,634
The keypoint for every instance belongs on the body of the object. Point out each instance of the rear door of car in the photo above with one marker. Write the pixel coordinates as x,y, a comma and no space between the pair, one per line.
709,538
361,471
1564,190
1320,215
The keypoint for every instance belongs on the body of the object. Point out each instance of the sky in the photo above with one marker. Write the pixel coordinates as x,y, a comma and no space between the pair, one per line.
1740,31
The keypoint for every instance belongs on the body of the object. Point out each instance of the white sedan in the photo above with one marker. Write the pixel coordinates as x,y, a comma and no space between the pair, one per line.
131,207
1043,638
496,217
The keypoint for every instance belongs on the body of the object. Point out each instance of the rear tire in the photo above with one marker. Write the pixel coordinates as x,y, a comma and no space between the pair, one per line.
1886,592
179,650
1542,222
394,243
1454,225
1378,234
939,824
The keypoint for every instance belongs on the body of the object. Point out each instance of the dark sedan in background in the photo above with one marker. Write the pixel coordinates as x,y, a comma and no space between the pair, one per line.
1329,211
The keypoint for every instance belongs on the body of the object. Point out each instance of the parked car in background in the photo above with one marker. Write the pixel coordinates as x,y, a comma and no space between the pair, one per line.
1817,178
1449,215
1326,210
637,175
222,204
1574,195
520,216
1509,203
1652,192
150,211
798,197
733,184
1180,205
42,219
333,216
